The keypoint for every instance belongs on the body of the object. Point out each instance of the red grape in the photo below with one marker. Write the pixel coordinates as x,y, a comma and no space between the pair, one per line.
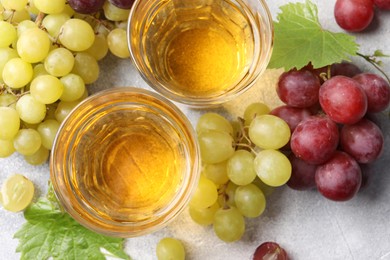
298,88
302,175
354,15
123,4
270,251
86,6
292,115
344,69
377,91
363,141
382,4
339,179
343,100
315,139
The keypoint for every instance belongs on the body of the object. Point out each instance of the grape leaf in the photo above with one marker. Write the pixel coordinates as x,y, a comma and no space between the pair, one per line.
300,39
51,233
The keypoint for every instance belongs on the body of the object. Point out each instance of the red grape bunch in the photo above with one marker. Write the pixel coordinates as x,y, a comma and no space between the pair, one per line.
332,136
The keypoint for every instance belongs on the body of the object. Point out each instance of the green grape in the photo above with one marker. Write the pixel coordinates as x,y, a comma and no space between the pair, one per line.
6,148
240,167
269,132
63,109
215,146
46,89
74,87
39,157
250,200
214,121
226,194
17,73
59,62
39,70
205,195
266,189
86,67
33,45
27,141
170,249
217,172
17,193
273,167
76,35
16,5
48,130
24,26
6,54
203,216
16,17
50,6
30,110
253,110
9,123
113,13
8,34
53,23
229,224
117,43
7,100
99,48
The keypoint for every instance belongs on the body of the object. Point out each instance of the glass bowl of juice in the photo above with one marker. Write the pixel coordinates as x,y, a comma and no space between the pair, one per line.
125,162
200,53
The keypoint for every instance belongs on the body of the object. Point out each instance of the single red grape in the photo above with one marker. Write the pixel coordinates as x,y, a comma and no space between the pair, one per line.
123,4
363,141
270,251
354,15
382,4
86,6
377,91
339,179
302,174
298,88
315,139
344,69
343,100
292,115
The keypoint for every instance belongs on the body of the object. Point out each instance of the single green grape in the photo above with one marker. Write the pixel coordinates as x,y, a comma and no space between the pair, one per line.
17,73
269,132
59,62
204,216
253,110
14,5
39,157
74,87
240,167
8,34
113,13
6,148
9,123
214,121
6,54
54,22
273,167
205,195
170,249
250,200
86,67
17,193
229,224
33,45
99,48
217,172
30,110
76,35
27,141
117,43
63,109
215,146
46,89
48,130
50,6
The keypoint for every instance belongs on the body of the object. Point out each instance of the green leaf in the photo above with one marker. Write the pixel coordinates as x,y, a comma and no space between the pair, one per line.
300,39
51,233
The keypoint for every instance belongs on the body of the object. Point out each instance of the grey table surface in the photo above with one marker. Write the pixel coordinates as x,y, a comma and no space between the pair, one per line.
304,223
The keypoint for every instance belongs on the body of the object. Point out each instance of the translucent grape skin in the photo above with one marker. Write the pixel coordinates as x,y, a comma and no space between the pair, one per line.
250,200
298,88
17,193
215,146
240,167
302,174
170,248
377,90
354,15
123,4
343,100
229,224
213,121
339,179
86,6
271,251
315,139
364,141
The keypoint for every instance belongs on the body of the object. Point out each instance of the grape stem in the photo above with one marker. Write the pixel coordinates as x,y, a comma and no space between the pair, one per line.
371,59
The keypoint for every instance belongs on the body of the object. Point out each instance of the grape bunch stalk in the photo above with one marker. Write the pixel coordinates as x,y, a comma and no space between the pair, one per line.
48,55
